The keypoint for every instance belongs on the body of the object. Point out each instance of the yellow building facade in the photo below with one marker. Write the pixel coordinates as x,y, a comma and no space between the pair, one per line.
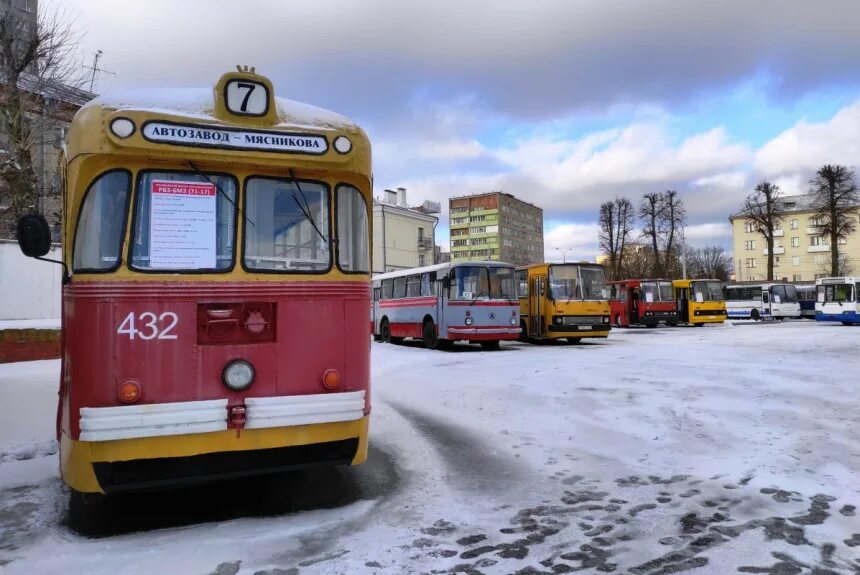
801,252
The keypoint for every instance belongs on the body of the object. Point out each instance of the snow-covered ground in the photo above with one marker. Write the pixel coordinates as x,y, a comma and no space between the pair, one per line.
721,449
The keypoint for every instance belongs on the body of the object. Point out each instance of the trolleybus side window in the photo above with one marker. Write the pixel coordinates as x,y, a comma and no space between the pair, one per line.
101,223
376,292
413,286
387,288
523,283
428,283
399,287
183,222
352,241
287,226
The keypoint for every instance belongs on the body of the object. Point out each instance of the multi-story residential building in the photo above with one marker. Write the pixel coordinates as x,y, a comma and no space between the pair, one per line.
495,226
801,252
403,237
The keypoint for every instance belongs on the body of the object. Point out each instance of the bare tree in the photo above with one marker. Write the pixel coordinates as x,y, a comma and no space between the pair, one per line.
835,200
616,225
37,63
673,216
763,209
651,214
711,262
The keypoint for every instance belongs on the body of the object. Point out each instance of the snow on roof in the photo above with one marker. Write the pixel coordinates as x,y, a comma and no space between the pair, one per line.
200,103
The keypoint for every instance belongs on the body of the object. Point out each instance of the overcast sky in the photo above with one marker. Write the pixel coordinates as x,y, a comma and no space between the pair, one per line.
564,104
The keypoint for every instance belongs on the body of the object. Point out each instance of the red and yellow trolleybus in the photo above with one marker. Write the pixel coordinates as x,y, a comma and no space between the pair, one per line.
215,303
642,302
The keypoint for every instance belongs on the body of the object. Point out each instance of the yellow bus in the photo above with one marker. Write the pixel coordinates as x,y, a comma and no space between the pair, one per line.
215,304
699,301
563,301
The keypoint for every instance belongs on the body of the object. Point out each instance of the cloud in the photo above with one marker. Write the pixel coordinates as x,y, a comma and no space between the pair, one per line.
806,146
450,150
573,242
707,234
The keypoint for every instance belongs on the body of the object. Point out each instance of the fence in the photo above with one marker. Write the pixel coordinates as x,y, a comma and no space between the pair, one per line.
29,289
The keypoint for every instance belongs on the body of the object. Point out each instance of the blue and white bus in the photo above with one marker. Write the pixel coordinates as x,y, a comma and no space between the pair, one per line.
761,301
806,297
837,300
440,304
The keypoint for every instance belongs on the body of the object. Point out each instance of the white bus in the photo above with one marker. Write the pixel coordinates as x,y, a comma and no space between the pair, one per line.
837,300
760,301
440,304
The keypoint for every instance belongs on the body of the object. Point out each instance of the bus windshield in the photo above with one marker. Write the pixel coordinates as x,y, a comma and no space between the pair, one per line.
707,291
479,282
656,291
572,281
836,293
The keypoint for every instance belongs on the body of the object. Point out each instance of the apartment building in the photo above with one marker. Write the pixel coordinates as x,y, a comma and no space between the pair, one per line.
403,237
801,253
495,226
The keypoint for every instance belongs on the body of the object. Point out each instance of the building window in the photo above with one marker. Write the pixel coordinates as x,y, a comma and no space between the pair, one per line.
795,242
478,218
776,261
478,230
420,261
819,259
795,224
795,260
817,241
795,278
749,244
841,241
751,262
749,227
814,222
819,276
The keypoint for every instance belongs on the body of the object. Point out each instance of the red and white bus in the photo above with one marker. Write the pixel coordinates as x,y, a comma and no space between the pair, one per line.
642,302
440,304
215,303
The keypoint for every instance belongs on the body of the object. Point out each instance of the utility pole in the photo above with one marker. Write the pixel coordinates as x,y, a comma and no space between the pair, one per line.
564,254
683,255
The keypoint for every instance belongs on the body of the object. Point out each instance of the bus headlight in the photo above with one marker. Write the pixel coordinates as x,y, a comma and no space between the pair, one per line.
238,375
514,321
468,321
606,319
342,145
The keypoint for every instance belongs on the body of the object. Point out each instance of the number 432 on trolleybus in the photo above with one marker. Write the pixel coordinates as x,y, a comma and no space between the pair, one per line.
215,308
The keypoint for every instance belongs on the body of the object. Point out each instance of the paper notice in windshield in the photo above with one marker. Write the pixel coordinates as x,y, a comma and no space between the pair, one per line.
182,225
649,298
700,297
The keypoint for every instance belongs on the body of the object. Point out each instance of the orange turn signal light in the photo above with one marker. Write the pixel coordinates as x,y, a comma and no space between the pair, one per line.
330,379
129,391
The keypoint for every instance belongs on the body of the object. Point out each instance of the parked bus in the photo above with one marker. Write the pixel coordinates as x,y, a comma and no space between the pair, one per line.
444,303
837,300
806,297
760,301
699,301
642,302
215,303
567,301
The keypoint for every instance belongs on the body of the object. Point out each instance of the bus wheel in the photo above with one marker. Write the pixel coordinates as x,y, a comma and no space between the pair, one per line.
755,315
673,323
524,334
490,345
698,324
650,325
385,332
429,335
84,510
573,340
847,323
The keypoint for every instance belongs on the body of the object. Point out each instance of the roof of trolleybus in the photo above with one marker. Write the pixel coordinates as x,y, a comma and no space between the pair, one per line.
437,267
203,132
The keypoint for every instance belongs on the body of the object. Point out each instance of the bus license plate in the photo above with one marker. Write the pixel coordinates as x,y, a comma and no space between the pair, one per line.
585,327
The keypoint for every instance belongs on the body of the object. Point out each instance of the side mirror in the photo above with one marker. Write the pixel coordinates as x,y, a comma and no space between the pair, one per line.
34,235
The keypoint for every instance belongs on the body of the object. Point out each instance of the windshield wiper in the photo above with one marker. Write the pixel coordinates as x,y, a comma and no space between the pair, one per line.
222,192
477,297
306,209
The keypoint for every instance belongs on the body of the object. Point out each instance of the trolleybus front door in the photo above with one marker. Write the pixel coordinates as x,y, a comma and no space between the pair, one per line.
683,305
537,290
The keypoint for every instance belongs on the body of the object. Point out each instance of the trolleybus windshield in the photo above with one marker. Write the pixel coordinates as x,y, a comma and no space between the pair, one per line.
707,291
836,293
479,282
657,291
576,282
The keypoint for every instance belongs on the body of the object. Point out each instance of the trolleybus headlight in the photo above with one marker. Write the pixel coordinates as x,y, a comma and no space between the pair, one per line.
122,127
606,319
468,321
342,144
514,321
238,375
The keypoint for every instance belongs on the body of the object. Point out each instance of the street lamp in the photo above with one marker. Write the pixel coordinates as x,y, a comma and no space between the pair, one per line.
564,254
